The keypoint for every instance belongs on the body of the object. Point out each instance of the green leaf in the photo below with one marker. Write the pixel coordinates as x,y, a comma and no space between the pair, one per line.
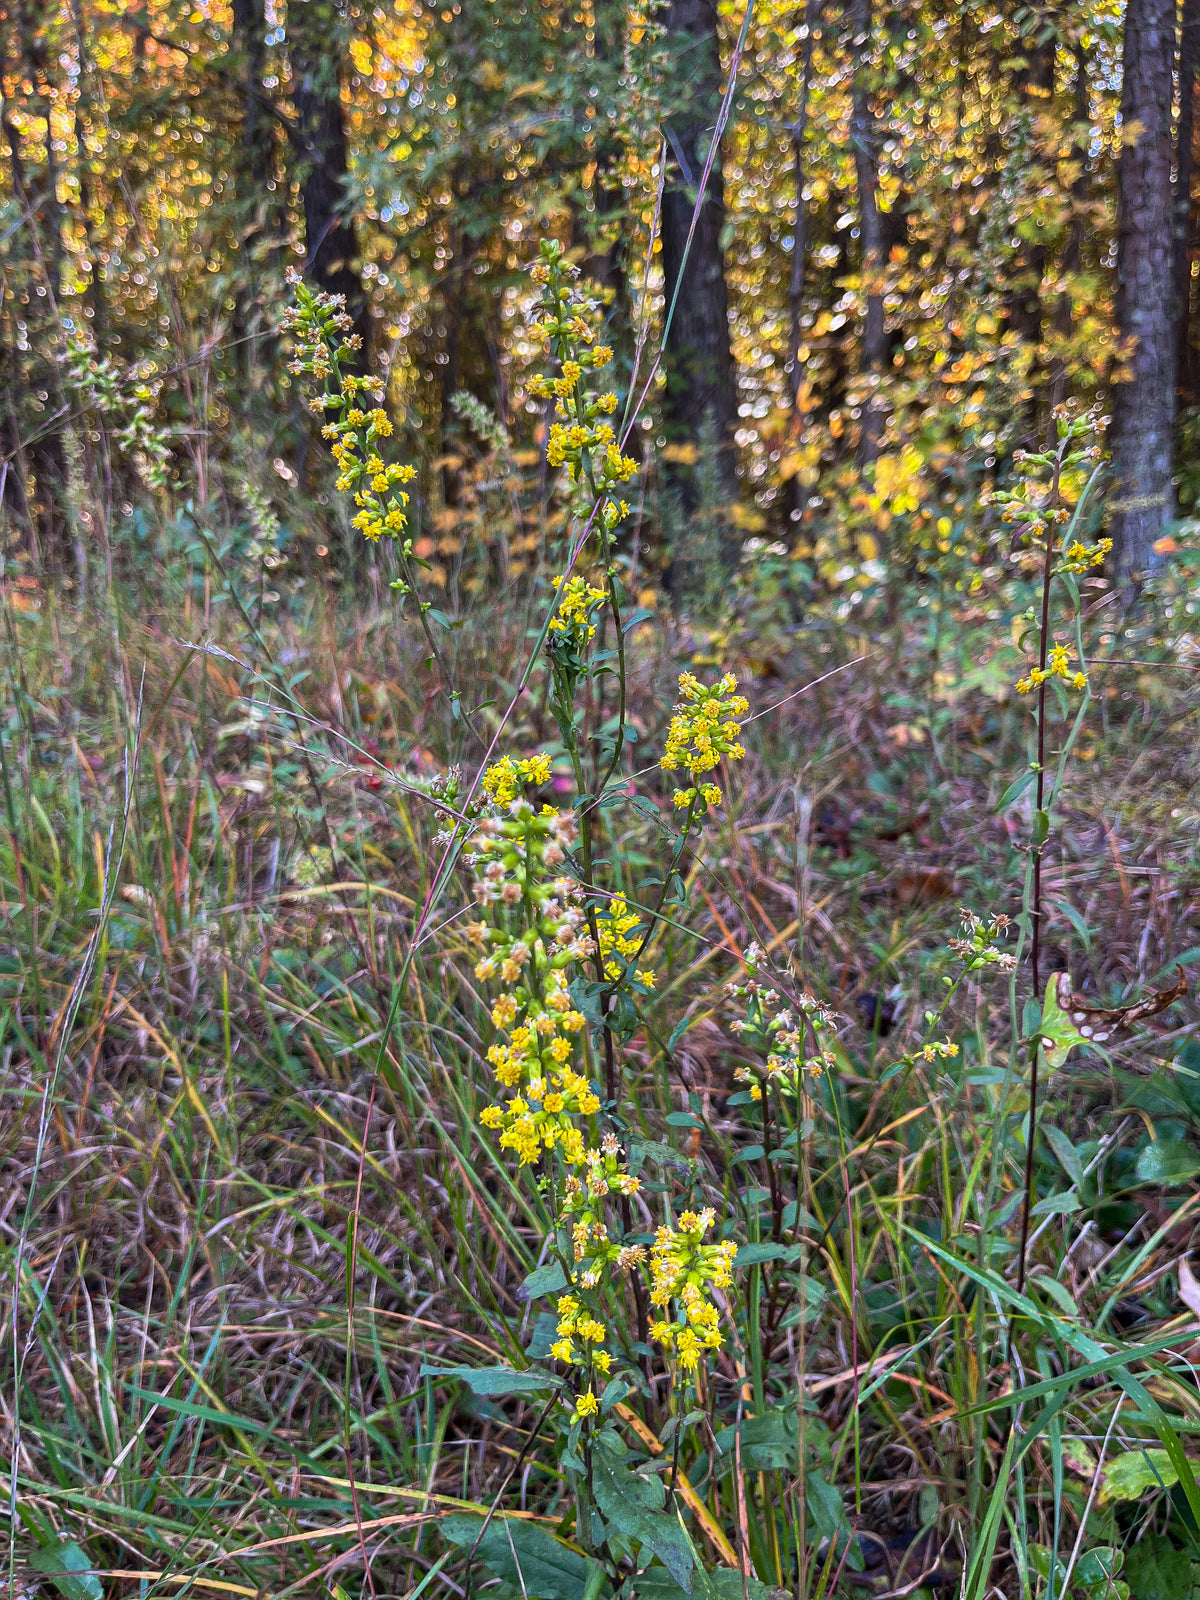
1064,1148
678,1031
750,1255
1041,829
545,1280
523,1554
633,1504
1015,790
1156,1570
1167,1161
1056,1205
1100,1566
1058,1033
1187,1075
825,1506
67,1567
1076,921
723,1584
769,1442
640,615
1042,1562
495,1380
1136,1473
545,1332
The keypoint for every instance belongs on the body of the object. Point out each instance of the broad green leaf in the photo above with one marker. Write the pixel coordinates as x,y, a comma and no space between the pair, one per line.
1158,1570
750,1255
1015,790
1041,1561
496,1380
67,1566
722,1584
523,1554
1076,921
769,1441
1056,1205
1057,1032
1100,1566
1136,1473
633,1504
825,1504
545,1280
1167,1161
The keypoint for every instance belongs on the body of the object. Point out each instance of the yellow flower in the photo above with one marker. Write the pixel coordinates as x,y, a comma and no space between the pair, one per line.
703,729
504,1011
586,1405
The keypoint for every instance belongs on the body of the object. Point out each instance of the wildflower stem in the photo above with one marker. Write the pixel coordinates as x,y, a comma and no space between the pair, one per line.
769,1165
1035,904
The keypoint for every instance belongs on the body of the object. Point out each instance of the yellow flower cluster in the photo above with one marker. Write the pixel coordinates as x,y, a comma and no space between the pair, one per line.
517,856
319,323
362,471
600,1174
621,934
703,729
683,1271
580,441
1079,557
577,603
535,934
1058,665
502,781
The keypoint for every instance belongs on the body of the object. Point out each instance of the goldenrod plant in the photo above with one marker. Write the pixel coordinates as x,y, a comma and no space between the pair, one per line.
560,951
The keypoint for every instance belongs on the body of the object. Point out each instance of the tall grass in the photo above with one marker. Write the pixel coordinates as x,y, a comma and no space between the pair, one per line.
248,1211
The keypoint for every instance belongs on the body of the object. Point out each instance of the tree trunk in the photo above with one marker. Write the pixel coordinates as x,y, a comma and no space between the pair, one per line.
1144,403
864,138
315,54
701,384
1189,60
38,284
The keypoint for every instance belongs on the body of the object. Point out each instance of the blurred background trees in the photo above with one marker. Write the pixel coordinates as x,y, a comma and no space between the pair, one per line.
922,227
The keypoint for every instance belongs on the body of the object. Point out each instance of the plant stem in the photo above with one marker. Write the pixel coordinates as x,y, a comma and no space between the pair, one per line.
1035,904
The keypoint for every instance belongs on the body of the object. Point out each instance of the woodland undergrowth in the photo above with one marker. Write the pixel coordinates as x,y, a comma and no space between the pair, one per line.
533,1096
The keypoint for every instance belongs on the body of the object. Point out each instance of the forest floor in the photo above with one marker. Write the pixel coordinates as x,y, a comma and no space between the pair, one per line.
248,1204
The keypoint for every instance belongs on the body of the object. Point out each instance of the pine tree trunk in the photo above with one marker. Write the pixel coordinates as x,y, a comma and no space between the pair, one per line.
701,384
864,138
315,53
1144,403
